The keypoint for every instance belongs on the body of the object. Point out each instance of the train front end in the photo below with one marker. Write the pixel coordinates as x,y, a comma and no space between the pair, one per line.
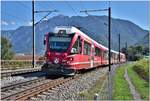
58,45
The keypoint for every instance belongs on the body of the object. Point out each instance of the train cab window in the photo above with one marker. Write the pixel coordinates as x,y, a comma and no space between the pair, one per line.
76,49
62,32
97,52
87,48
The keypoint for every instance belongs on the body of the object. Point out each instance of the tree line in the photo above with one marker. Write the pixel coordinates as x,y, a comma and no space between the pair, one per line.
136,52
6,49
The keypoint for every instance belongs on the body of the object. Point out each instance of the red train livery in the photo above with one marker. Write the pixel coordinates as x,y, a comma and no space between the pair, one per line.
69,50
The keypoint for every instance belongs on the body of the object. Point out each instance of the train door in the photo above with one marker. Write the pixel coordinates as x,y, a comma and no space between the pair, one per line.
92,56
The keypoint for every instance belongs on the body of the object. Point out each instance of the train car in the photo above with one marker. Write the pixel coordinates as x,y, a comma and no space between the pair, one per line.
122,58
69,50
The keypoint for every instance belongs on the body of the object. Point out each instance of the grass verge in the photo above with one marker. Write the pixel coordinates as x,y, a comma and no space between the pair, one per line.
121,90
140,84
95,89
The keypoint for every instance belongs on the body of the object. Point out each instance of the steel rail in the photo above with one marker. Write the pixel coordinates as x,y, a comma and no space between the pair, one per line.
11,86
19,71
32,91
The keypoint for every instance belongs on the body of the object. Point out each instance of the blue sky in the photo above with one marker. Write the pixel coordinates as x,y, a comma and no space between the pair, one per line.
19,13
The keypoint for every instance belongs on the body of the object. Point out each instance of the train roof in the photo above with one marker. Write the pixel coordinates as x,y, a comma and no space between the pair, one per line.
114,51
72,29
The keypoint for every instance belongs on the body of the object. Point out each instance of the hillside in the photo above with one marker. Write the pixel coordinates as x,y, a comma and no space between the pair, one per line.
94,26
144,41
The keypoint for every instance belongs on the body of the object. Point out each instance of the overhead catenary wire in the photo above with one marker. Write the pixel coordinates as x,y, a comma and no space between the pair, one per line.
43,18
71,8
49,12
86,12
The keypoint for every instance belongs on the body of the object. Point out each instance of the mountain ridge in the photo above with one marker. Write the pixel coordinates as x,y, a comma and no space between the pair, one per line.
96,27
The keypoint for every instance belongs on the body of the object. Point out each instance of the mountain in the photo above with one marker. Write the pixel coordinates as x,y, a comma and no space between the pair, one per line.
94,26
144,41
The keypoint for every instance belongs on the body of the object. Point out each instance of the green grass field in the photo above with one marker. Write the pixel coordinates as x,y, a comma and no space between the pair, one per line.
137,78
121,89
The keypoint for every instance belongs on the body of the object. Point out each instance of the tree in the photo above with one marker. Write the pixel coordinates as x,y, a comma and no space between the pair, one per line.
136,52
6,51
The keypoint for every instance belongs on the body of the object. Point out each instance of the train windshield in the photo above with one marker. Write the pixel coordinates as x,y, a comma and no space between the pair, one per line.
59,44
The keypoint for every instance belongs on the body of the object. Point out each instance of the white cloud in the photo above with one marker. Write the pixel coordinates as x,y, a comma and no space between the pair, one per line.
4,22
13,23
30,23
45,19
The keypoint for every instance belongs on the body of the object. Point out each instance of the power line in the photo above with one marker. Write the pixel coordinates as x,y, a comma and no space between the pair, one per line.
71,8
93,17
43,18
46,11
49,12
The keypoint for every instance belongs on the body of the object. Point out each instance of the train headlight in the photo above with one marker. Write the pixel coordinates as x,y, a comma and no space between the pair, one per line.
56,60
71,59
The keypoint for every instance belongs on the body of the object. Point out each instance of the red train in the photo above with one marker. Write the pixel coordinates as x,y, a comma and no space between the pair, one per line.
69,50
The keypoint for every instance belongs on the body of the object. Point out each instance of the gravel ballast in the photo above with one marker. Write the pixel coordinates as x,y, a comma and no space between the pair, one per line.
72,89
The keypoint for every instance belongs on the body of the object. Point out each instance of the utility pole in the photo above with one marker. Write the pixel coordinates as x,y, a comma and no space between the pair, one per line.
109,44
109,36
33,28
126,51
119,46
33,31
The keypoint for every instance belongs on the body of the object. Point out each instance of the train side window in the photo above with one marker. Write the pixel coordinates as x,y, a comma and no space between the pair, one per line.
115,56
76,49
87,48
97,52
105,54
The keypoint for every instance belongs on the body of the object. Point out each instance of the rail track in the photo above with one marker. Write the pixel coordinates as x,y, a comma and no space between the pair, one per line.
17,85
28,89
19,71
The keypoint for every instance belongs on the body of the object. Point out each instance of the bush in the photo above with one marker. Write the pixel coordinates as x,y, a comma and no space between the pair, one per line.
6,51
142,69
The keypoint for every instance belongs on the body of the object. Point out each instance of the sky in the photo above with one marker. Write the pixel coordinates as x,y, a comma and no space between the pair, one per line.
19,13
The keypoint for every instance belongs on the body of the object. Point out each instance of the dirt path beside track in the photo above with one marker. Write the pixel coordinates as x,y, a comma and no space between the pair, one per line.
134,92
